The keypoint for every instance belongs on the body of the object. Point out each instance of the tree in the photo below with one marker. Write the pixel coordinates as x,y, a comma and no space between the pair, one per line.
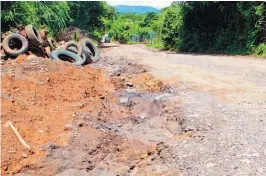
150,17
89,14
172,26
215,27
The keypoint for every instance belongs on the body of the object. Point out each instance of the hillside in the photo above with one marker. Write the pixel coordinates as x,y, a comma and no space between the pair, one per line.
135,9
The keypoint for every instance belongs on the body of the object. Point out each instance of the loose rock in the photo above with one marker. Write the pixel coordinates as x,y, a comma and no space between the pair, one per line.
124,100
68,127
129,84
189,128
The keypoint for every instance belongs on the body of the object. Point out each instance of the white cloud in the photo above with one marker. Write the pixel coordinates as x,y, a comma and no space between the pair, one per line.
154,3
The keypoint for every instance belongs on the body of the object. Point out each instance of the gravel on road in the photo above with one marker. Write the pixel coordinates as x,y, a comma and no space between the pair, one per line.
224,106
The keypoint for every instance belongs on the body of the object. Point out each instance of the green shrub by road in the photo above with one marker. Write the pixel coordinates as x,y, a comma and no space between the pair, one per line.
198,27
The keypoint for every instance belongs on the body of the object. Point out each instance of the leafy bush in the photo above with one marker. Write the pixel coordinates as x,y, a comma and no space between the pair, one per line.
215,27
172,27
260,50
57,15
52,15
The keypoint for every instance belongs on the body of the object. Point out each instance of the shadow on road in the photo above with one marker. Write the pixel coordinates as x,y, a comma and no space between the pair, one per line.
201,54
107,46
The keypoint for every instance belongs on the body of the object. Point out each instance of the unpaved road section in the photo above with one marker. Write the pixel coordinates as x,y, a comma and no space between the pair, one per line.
224,101
135,112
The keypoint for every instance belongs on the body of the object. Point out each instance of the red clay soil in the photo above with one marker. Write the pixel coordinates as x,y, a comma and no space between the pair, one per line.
143,82
146,82
40,103
44,98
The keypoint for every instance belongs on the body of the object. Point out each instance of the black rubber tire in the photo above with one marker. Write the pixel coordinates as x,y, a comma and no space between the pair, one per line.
74,44
72,49
88,58
33,35
85,57
78,60
89,47
12,52
4,56
52,43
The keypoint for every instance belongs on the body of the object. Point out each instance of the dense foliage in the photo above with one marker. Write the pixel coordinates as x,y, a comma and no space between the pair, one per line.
205,27
128,27
216,27
53,15
89,14
56,15
124,27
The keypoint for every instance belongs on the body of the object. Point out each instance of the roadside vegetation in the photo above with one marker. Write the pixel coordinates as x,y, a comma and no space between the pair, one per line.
57,15
216,27
132,28
198,27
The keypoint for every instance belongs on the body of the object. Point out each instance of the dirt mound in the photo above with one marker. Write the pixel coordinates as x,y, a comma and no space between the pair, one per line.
146,82
85,119
40,103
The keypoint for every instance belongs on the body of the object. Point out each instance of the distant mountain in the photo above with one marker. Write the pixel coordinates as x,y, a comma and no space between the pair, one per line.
135,9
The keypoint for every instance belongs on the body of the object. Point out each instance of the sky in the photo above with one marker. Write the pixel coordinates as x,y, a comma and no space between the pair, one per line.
154,3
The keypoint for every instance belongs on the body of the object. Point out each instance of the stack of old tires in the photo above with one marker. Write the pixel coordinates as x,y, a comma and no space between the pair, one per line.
78,53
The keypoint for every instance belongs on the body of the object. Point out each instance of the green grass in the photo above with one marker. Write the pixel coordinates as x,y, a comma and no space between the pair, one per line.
260,50
156,45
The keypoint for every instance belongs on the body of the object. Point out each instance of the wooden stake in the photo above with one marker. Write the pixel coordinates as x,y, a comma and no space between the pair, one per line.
18,135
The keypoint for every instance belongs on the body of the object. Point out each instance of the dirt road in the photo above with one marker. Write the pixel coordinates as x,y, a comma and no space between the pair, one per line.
224,105
135,112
